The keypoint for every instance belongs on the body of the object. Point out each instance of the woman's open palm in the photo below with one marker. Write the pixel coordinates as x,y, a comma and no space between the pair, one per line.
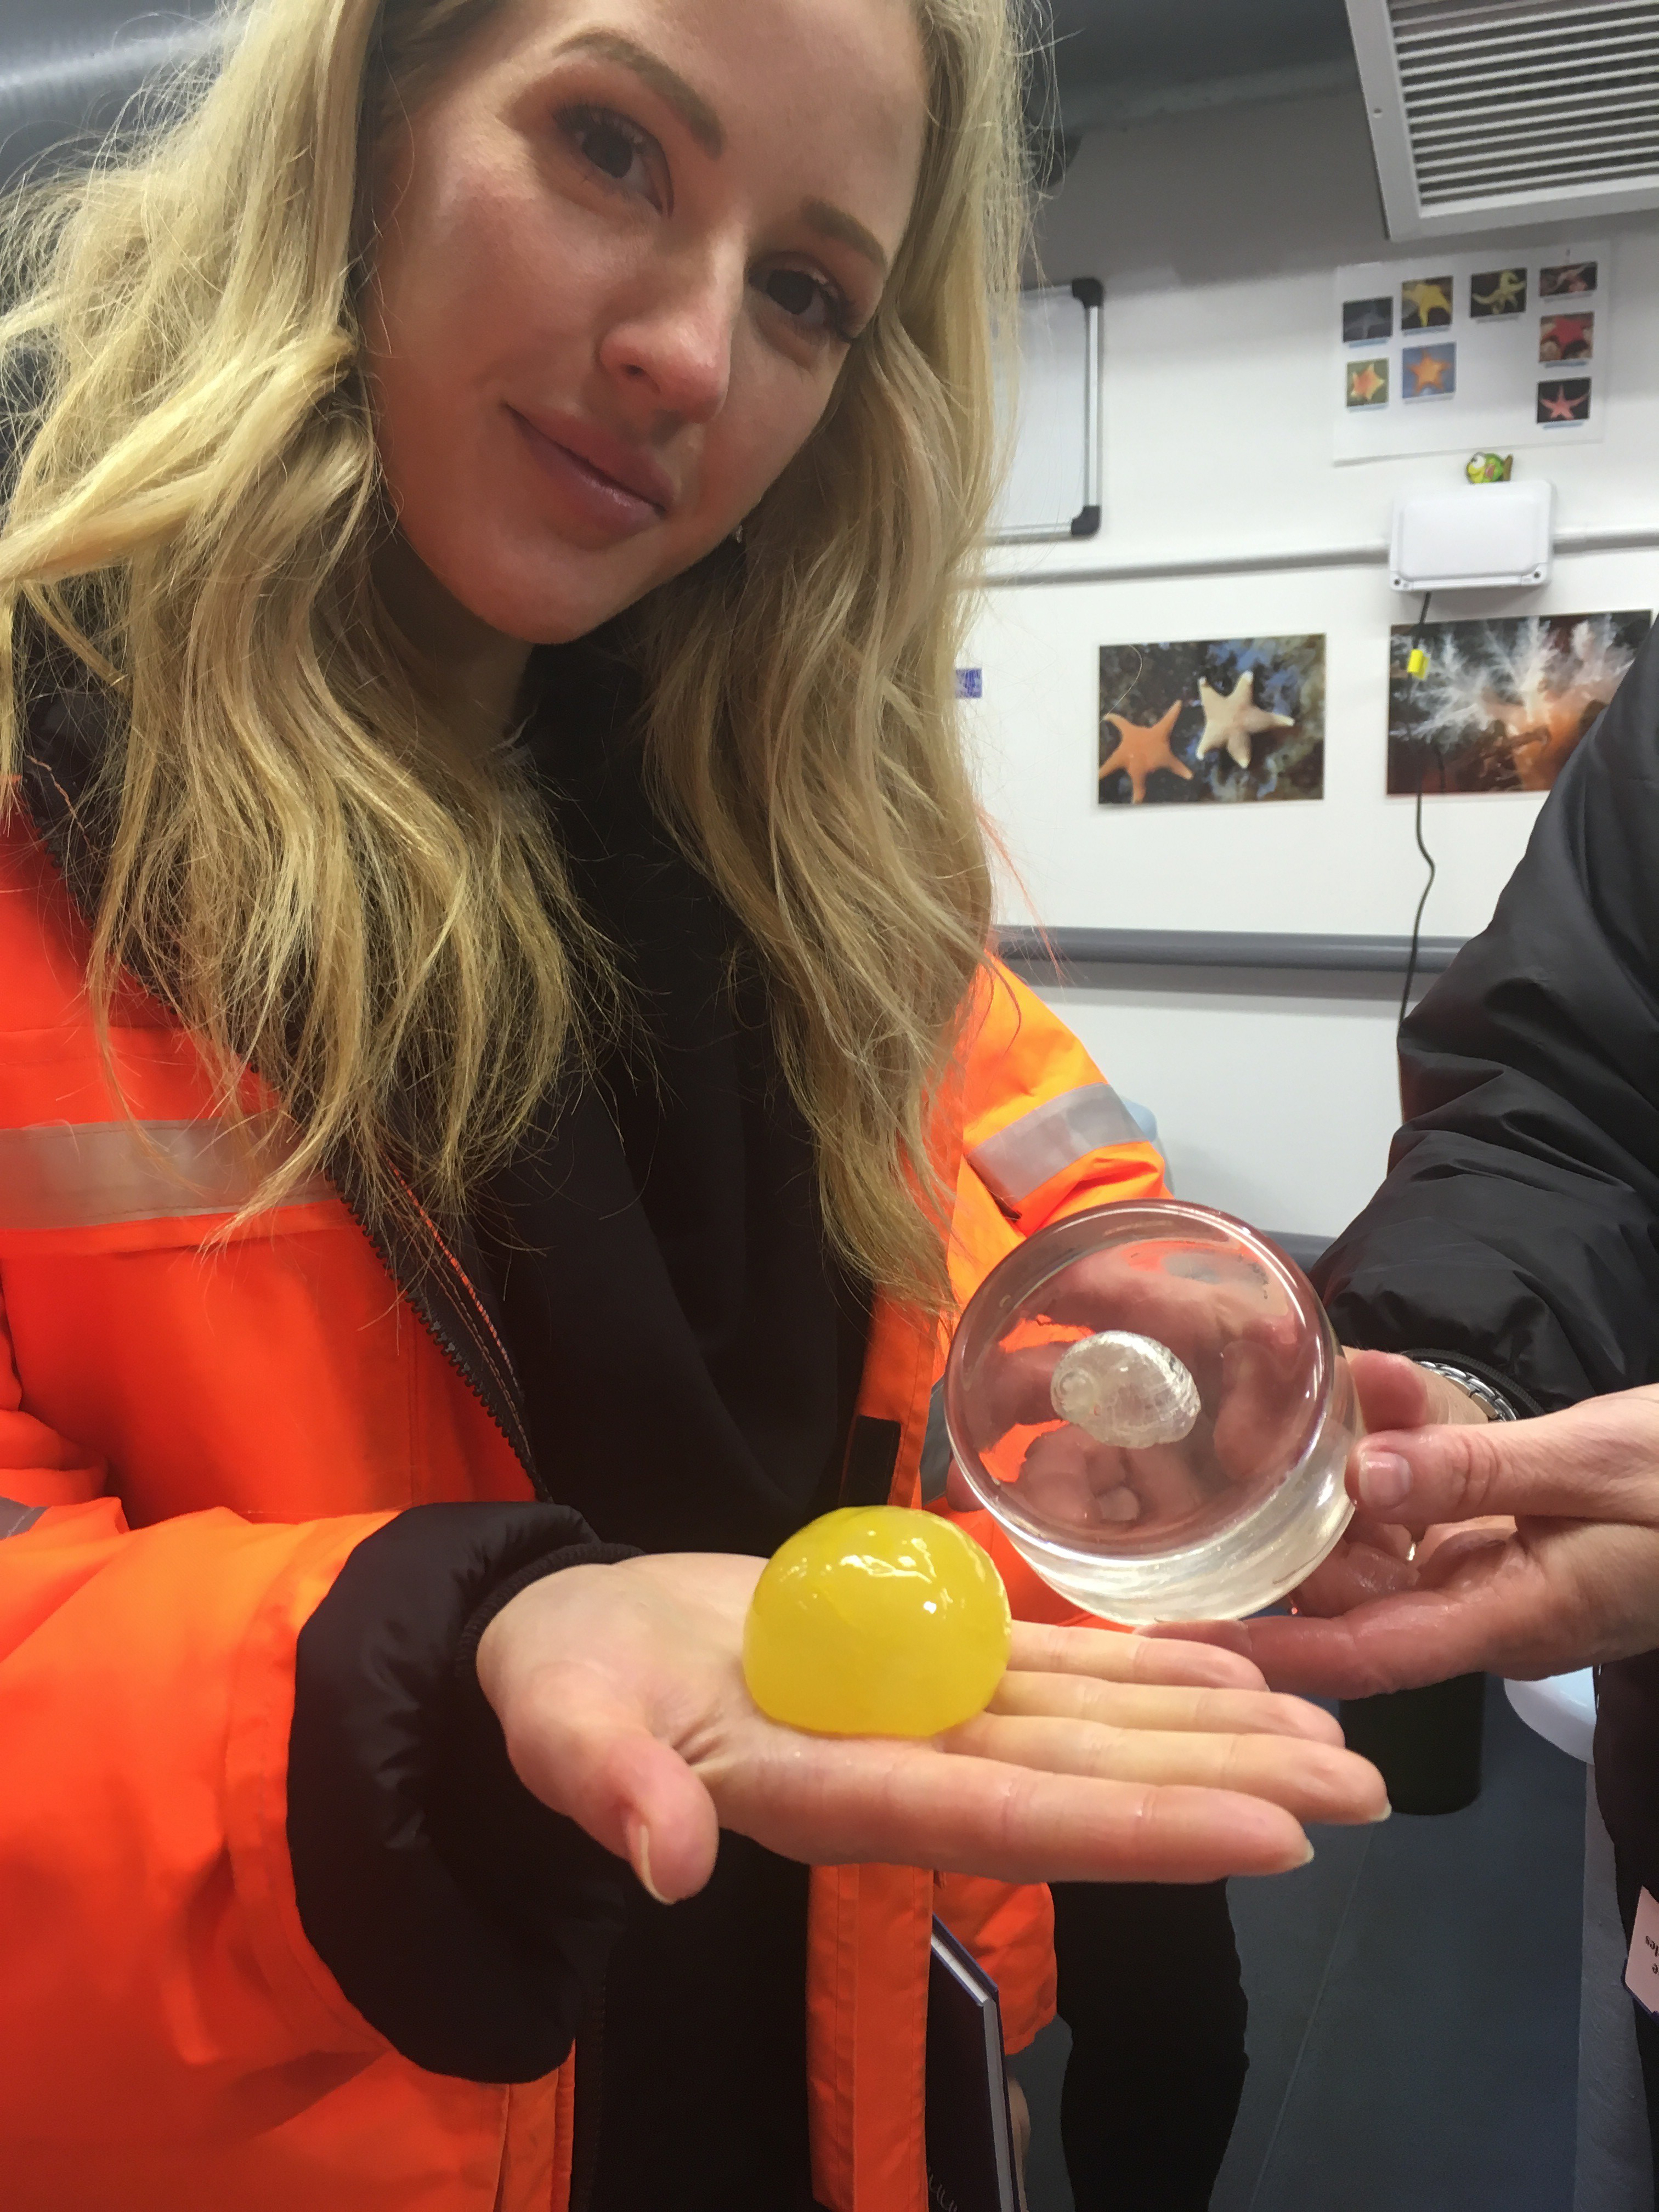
1102,1756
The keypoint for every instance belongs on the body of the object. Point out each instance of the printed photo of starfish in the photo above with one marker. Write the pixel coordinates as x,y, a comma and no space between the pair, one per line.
1368,382
1367,322
1567,401
1567,276
1429,371
1498,292
1222,719
1566,337
1425,304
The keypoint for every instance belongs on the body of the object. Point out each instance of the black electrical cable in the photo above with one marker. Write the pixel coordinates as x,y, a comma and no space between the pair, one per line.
1422,774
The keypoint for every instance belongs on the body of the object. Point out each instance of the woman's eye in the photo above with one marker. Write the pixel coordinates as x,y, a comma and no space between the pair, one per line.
617,148
808,301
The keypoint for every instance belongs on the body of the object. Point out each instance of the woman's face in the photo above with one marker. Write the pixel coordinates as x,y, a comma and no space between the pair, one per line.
622,254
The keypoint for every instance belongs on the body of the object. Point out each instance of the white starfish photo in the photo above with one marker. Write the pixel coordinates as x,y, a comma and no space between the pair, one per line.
1232,718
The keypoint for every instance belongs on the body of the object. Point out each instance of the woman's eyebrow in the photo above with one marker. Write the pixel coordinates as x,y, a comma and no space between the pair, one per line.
835,223
706,127
693,110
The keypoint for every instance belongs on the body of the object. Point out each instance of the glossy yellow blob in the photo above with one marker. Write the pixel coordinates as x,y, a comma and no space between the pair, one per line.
876,1621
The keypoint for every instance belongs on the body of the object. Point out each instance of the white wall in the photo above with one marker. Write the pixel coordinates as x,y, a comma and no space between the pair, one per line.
1216,236
1275,1095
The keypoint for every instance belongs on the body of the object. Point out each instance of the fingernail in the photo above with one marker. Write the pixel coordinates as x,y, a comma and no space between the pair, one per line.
1384,1479
1387,1813
639,1858
1307,1853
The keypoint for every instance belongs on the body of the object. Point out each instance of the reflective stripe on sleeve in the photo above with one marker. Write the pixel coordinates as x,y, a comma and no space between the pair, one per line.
16,1518
89,1174
1052,1138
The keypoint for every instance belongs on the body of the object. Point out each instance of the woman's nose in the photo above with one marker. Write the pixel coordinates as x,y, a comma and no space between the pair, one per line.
675,349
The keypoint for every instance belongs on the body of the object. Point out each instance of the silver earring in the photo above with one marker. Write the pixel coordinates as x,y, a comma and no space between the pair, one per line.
737,535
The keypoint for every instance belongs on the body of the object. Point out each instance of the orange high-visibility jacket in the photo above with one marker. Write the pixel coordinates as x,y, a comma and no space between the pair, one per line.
194,1441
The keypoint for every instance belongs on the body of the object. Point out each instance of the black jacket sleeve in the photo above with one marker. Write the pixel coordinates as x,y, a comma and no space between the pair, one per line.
1518,1232
466,1922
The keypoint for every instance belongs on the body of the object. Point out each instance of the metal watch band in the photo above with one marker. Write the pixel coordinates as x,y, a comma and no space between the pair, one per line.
1497,1408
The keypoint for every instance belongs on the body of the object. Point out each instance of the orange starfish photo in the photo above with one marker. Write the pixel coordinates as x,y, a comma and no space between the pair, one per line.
1429,371
1368,382
1139,751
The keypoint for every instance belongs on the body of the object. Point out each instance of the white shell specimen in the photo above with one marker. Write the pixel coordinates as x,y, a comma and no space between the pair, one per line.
1125,1389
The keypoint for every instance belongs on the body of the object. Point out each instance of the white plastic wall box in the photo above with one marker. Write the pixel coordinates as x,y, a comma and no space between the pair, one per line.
1475,538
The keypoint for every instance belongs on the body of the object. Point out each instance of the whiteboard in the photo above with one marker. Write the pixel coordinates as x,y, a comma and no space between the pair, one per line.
1053,488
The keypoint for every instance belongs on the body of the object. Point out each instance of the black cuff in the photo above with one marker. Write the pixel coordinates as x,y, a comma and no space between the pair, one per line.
466,1921
592,1554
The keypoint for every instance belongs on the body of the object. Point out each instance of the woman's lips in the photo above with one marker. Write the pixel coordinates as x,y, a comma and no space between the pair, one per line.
615,507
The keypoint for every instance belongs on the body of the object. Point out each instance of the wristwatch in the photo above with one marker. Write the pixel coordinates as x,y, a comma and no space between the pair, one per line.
1492,1403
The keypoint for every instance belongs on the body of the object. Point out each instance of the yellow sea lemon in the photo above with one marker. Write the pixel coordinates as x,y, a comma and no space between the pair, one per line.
876,1621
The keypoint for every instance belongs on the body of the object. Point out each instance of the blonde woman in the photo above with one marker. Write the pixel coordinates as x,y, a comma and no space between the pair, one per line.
488,1121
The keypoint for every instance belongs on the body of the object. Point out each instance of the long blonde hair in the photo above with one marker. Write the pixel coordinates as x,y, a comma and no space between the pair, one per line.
323,889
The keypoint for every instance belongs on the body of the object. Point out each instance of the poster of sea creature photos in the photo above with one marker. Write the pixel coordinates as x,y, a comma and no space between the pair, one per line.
1501,703
1499,347
1222,720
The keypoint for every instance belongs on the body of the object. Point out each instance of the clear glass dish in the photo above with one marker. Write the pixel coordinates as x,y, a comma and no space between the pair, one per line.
1150,1400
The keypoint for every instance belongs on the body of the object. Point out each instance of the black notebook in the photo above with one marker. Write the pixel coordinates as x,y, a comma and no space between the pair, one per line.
970,2147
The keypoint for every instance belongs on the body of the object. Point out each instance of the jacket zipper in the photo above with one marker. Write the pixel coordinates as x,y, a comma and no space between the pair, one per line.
459,1357
589,2045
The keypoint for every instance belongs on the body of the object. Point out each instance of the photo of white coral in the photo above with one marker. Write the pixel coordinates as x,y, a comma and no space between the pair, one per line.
1502,704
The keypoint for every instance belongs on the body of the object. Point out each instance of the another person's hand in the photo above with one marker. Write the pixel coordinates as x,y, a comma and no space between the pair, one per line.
1103,1757
1539,1553
1375,1557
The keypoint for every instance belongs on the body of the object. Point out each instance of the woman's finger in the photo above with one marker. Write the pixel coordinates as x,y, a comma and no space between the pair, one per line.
1313,1781
1599,1460
1157,1705
586,1751
914,1805
1110,1655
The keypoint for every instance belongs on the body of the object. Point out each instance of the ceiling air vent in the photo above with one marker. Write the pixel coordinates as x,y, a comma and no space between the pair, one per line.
1487,113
